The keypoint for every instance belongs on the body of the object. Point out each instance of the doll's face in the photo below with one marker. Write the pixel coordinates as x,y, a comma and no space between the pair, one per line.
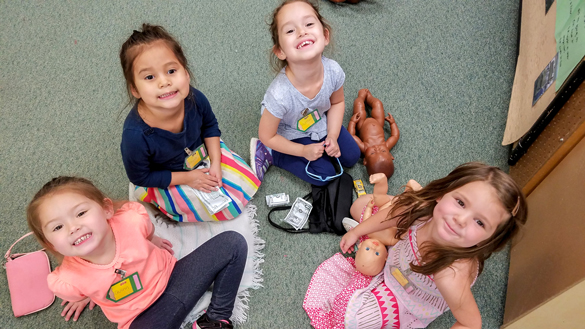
378,159
371,257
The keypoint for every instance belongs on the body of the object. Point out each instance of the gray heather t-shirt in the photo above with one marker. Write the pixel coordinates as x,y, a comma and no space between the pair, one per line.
285,102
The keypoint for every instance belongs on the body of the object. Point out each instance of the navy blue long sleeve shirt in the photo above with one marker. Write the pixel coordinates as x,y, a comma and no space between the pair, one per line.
150,155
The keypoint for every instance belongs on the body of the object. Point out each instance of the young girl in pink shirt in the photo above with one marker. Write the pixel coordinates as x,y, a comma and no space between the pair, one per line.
113,259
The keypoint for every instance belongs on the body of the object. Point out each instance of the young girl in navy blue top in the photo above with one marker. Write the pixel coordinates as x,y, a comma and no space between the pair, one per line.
171,130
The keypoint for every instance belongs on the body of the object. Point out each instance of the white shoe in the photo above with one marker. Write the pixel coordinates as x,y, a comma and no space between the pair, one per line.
349,223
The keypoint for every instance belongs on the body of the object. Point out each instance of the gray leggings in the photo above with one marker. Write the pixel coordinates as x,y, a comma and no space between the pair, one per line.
220,261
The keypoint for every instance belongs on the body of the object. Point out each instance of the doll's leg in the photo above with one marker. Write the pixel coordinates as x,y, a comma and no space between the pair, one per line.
377,108
413,185
358,206
381,197
368,210
385,236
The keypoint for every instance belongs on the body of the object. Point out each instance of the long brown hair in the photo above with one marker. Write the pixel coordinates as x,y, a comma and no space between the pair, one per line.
276,63
78,185
134,45
419,206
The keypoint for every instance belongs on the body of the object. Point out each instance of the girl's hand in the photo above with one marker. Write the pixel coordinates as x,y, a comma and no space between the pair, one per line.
162,244
75,308
201,181
332,148
313,152
348,242
215,171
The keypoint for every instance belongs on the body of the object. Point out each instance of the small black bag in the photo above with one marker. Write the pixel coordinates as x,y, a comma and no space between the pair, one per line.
331,203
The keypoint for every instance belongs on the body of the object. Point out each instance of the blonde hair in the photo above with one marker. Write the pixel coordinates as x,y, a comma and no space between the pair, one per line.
419,206
77,185
276,63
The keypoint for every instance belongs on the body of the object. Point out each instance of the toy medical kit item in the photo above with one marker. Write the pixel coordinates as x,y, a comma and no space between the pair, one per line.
278,199
27,280
194,158
214,201
376,150
359,187
338,172
299,213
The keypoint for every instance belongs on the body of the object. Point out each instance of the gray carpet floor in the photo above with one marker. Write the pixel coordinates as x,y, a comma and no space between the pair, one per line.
444,69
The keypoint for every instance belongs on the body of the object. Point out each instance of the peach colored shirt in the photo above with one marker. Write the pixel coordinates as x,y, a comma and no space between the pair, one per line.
76,279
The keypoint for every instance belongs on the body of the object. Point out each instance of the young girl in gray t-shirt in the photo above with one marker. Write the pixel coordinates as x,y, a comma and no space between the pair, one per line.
302,112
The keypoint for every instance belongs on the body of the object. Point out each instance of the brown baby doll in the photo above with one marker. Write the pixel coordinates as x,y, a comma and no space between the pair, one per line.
374,147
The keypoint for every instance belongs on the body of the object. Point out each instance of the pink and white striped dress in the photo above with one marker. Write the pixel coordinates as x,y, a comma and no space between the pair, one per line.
341,297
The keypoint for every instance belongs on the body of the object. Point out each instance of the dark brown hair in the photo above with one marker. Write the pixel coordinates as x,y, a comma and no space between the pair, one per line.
419,206
137,41
78,185
276,63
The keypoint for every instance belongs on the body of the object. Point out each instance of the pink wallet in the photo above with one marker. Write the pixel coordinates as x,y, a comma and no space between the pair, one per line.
27,280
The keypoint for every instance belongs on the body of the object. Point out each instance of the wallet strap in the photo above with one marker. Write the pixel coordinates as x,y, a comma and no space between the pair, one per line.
9,256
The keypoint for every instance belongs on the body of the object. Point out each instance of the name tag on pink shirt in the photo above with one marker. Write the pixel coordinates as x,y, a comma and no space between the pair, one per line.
126,287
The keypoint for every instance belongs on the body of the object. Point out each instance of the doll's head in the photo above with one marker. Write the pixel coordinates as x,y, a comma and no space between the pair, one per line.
296,26
68,215
371,257
141,41
378,159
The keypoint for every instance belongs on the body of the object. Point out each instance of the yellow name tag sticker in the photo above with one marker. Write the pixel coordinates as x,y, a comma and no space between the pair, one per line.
401,278
308,120
194,158
124,288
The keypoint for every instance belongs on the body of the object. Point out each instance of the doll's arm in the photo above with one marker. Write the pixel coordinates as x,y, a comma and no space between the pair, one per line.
359,142
351,129
352,123
394,133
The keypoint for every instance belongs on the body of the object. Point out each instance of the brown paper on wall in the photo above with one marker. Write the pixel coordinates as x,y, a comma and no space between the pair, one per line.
537,48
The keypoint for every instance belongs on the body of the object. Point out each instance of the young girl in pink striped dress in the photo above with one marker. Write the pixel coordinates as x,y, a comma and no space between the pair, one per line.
171,130
446,231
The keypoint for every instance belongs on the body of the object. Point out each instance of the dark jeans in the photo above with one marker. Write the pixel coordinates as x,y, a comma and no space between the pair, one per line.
220,261
350,154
